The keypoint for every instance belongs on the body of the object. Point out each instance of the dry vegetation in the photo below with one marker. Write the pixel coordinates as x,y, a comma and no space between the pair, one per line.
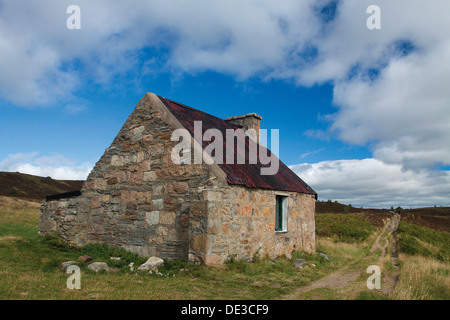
30,266
422,278
26,186
14,210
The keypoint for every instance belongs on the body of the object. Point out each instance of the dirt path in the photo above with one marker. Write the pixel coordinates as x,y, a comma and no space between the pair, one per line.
343,277
382,241
390,279
336,280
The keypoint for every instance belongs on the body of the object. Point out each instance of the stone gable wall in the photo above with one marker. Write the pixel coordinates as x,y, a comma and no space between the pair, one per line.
135,197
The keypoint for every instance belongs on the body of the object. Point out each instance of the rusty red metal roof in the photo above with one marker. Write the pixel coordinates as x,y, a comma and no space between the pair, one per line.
246,174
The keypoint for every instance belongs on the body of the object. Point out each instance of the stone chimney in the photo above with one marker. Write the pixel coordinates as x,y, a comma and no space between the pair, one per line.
248,121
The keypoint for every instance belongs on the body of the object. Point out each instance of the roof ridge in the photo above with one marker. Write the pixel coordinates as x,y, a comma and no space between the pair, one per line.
197,110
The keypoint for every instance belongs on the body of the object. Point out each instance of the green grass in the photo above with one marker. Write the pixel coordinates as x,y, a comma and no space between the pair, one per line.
344,227
414,239
370,295
30,265
105,252
30,269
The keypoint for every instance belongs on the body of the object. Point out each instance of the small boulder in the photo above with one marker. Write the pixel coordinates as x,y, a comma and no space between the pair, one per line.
98,266
298,263
66,264
85,259
323,255
146,267
151,264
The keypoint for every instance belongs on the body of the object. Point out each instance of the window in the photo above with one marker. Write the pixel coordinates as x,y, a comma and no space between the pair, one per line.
281,213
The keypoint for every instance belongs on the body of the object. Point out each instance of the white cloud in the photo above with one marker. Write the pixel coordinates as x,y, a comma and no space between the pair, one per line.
408,101
405,111
234,37
54,166
372,183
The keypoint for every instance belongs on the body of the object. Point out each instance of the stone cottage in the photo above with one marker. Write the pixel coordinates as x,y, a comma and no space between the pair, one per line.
138,198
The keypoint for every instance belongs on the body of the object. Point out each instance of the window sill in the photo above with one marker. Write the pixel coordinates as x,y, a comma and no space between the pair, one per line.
280,231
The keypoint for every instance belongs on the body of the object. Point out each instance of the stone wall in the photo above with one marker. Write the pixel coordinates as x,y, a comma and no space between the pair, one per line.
249,121
241,223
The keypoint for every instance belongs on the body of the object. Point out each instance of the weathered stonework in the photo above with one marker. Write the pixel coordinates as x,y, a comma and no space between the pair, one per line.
136,198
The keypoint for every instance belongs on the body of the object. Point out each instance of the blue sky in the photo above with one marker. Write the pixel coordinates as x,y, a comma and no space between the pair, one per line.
364,115
82,133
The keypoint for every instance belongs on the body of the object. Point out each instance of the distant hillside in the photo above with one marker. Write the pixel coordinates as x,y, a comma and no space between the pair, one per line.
433,217
376,216
25,186
336,207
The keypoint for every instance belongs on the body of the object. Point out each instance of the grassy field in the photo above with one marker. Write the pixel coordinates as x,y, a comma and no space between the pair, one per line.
419,240
345,227
30,268
424,256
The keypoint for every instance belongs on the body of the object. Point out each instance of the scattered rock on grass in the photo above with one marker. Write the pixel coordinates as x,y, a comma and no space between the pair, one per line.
85,259
66,264
298,263
151,264
98,266
323,255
